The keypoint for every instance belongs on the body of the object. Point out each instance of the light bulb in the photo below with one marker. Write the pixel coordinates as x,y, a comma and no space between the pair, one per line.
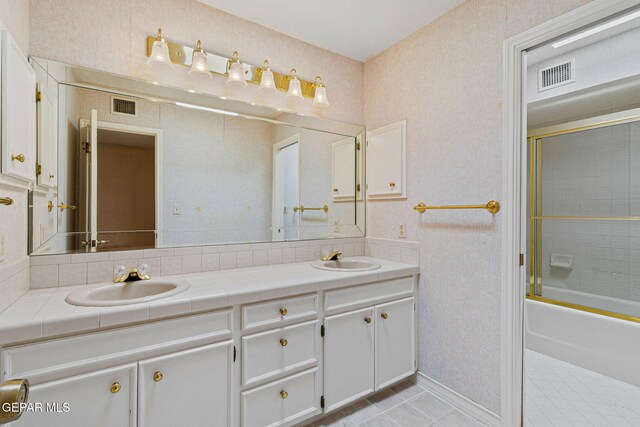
295,91
199,63
266,80
320,98
236,72
159,53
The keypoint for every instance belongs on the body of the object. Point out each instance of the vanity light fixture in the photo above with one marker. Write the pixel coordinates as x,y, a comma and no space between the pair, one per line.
236,71
267,83
596,30
199,63
295,91
160,52
320,98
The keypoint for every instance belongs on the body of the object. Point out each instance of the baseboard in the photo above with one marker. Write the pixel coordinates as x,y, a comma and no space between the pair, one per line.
457,400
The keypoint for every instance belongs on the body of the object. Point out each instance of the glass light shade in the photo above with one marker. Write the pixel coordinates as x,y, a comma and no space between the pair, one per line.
320,99
160,53
236,74
199,63
295,91
267,83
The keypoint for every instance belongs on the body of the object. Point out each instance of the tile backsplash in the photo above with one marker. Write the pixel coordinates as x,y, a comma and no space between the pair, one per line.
393,250
48,271
14,281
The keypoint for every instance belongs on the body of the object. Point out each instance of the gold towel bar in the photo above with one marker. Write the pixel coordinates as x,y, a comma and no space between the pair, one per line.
6,201
302,209
491,206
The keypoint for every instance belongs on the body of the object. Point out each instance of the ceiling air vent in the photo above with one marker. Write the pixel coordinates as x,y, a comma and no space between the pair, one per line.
556,75
124,106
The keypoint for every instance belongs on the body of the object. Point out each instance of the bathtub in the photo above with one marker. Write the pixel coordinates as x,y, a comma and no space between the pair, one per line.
599,343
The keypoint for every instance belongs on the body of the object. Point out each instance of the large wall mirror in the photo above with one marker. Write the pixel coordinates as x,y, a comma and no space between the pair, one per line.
128,164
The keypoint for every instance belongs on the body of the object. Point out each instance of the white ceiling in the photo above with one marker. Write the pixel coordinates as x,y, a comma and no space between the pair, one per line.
359,29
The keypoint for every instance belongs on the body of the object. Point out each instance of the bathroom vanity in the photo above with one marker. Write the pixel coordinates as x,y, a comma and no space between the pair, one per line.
259,346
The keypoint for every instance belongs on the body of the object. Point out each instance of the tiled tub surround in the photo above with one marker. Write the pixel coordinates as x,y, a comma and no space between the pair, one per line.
44,313
50,271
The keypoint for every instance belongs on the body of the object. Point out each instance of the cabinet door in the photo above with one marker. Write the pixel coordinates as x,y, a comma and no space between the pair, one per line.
395,341
104,398
47,142
386,162
18,112
343,164
189,388
348,357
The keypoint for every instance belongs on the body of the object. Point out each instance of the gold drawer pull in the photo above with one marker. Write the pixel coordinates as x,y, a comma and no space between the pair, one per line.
367,319
20,157
392,184
157,377
284,342
384,315
284,394
283,311
115,387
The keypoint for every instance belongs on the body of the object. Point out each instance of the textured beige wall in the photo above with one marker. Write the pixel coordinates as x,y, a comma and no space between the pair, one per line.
14,14
111,36
452,104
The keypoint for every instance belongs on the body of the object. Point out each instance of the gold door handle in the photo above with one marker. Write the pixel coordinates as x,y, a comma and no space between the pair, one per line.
63,206
157,377
283,311
13,392
49,206
367,319
284,394
20,157
116,387
7,201
384,316
392,184
284,342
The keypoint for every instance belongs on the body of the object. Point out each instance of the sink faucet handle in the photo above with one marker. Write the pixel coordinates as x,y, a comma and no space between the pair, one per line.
144,271
120,274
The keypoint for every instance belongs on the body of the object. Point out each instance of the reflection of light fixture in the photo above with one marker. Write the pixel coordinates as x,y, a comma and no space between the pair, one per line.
199,63
200,107
596,30
160,52
266,80
236,71
320,99
294,92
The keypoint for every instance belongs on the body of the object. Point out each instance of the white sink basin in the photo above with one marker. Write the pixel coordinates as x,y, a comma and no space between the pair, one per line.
346,265
112,294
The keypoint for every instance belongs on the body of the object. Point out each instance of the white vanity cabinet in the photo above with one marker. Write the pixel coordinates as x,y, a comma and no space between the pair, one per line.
387,162
102,398
190,388
18,111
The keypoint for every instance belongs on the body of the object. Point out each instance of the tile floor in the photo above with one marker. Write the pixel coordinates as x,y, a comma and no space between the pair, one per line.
403,405
559,394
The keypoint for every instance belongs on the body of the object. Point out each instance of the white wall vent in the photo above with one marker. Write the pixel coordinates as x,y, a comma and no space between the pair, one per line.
124,106
556,75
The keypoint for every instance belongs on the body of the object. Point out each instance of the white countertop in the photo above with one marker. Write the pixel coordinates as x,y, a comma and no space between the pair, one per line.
44,313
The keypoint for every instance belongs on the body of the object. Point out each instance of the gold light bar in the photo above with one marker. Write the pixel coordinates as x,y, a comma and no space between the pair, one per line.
325,208
181,55
491,206
6,201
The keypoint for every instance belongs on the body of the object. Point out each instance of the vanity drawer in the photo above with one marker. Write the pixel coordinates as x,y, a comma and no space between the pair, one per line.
276,312
366,295
275,352
282,402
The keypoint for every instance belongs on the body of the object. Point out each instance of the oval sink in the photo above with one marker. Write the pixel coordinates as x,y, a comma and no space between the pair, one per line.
112,294
346,265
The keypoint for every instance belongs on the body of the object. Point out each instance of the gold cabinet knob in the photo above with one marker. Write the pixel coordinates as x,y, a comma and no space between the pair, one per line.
384,315
335,190
283,311
284,394
392,184
284,342
367,319
51,176
64,206
13,392
157,377
116,387
20,157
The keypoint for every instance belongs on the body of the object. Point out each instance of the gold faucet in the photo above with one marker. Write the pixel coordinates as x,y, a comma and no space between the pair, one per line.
332,256
132,276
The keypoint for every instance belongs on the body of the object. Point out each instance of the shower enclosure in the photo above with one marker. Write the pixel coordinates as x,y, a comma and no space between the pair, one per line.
585,215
